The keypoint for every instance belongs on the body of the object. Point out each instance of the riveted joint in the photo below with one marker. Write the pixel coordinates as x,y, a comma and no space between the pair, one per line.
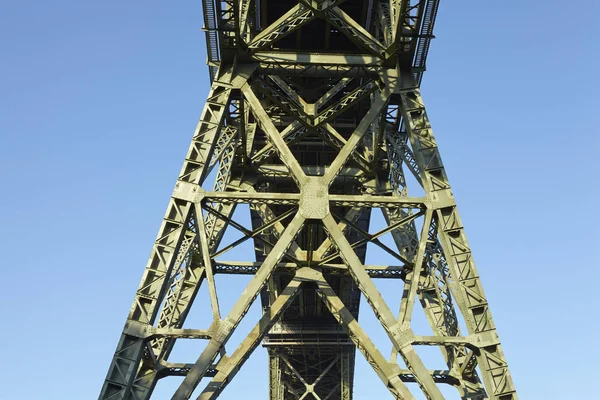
225,365
390,370
221,330
309,274
138,329
402,334
442,199
188,191
486,339
314,198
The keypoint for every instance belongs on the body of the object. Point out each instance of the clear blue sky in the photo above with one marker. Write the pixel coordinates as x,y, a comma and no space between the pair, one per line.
98,101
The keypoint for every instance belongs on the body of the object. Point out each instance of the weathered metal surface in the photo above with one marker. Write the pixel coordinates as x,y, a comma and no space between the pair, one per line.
313,118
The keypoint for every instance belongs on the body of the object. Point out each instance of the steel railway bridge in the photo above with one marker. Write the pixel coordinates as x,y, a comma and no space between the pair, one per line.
314,119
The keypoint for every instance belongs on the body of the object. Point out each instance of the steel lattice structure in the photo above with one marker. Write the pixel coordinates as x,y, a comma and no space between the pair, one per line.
313,119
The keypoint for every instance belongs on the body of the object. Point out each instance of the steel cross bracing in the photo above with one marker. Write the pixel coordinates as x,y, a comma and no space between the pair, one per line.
315,120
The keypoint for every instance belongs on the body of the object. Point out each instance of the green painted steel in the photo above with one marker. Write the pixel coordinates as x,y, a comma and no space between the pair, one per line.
314,120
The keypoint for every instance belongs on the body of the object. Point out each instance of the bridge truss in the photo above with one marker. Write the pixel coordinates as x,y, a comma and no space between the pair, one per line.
314,119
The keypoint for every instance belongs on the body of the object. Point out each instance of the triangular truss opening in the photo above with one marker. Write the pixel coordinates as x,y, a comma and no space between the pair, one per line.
236,242
165,387
304,32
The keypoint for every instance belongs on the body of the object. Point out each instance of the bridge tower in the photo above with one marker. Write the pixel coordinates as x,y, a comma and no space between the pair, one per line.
314,120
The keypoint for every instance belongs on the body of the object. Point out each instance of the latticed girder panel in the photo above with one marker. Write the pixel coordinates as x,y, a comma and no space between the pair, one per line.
314,123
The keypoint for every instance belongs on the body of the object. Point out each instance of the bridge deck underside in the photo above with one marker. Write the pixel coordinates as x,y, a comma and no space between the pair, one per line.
308,345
